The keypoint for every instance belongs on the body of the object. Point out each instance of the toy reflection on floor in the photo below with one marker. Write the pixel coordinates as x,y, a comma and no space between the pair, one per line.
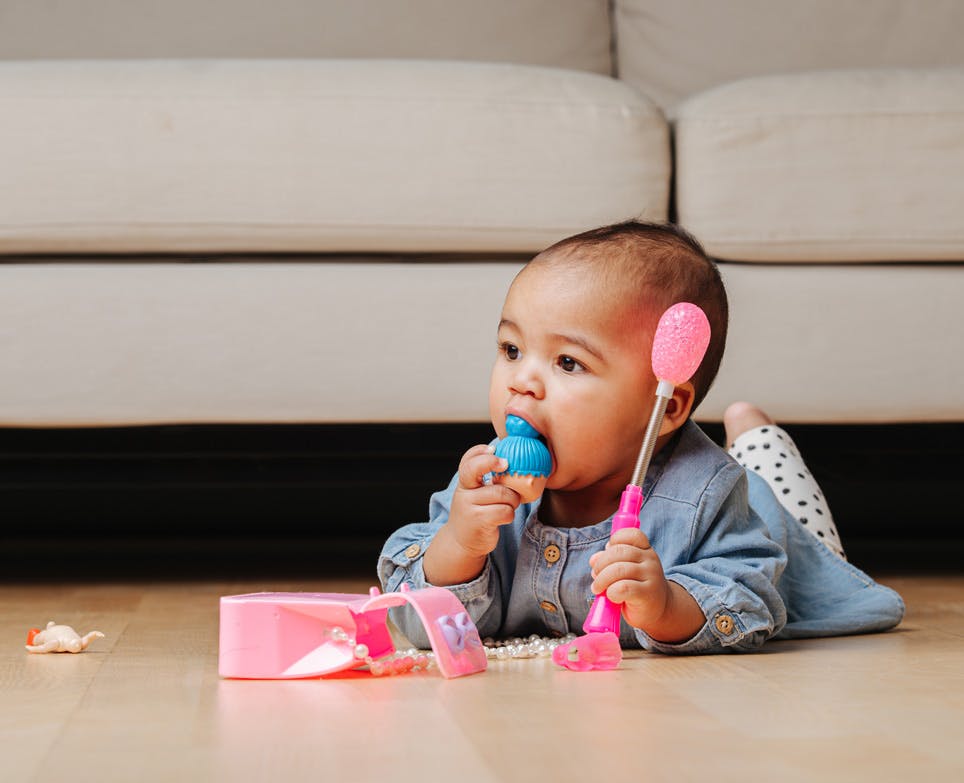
267,636
59,638
529,460
679,344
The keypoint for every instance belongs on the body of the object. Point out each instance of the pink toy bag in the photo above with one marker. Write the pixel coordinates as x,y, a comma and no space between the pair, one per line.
268,636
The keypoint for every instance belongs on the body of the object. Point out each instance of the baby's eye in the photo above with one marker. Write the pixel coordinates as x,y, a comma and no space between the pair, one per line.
511,351
568,364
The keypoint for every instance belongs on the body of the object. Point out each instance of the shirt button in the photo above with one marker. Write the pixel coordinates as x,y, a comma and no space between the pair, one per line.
412,551
548,606
724,624
551,553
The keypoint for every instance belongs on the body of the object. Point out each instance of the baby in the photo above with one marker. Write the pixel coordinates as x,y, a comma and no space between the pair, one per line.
719,562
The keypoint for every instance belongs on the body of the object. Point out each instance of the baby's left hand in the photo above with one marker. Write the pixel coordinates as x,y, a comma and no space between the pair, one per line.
629,571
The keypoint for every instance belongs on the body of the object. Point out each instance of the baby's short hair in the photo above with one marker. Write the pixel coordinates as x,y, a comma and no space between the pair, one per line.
662,264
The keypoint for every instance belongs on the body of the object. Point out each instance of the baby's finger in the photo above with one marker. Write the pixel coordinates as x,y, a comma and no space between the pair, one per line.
607,574
620,553
632,536
497,514
615,553
628,590
496,495
476,462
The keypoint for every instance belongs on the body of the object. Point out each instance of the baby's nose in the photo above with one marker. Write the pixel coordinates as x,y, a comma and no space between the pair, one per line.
527,380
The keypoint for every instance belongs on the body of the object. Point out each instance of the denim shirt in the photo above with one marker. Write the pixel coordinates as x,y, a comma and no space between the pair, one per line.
720,533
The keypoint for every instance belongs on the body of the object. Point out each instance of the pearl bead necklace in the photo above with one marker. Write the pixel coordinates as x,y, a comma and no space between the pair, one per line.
534,646
402,661
399,662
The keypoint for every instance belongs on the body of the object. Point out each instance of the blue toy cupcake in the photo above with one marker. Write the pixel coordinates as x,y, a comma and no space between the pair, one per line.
529,460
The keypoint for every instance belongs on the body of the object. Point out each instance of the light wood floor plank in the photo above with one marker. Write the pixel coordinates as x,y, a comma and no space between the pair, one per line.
146,704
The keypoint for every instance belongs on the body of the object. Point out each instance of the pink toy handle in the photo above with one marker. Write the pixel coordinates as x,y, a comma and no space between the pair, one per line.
604,615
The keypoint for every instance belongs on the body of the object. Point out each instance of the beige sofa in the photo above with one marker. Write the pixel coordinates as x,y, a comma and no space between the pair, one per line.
310,211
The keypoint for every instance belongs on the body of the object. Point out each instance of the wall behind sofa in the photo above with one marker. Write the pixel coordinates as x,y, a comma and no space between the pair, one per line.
563,33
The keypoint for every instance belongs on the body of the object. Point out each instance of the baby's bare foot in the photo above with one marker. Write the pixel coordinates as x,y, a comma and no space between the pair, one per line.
741,417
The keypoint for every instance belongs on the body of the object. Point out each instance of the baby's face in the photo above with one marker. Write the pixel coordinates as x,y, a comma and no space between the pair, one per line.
574,365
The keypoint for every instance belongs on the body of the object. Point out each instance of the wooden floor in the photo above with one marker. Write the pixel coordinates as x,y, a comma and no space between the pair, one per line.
146,704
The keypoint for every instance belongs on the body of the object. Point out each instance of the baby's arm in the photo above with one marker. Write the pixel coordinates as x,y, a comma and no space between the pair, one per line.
459,550
630,573
403,562
729,572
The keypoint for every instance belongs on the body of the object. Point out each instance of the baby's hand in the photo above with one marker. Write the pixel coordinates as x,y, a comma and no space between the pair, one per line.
459,551
629,572
478,509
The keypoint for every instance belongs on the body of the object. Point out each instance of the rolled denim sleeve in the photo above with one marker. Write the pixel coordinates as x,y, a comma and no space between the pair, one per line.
731,570
401,562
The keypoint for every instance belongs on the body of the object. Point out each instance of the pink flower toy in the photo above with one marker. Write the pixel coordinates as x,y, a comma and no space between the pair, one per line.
680,342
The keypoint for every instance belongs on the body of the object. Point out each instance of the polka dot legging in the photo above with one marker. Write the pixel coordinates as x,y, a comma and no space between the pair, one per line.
769,452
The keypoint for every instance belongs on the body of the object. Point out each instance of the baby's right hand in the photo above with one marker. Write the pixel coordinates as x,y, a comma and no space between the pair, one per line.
478,509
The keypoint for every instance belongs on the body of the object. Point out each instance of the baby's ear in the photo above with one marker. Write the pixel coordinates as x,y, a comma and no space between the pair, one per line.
678,408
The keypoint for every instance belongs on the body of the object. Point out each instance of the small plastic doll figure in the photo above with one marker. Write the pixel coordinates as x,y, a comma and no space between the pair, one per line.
529,460
59,638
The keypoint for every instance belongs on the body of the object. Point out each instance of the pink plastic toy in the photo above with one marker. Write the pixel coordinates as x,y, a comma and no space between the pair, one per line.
681,339
269,636
593,651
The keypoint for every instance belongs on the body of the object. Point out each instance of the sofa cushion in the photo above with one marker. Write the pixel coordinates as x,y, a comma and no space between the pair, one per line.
672,50
340,155
353,339
358,339
826,166
843,343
